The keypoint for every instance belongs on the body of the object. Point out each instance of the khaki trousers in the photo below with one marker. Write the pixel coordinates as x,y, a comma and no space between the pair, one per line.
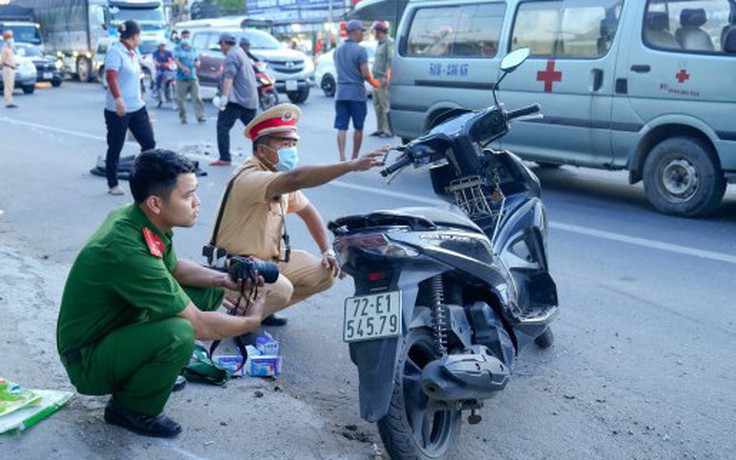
380,103
8,84
184,87
303,276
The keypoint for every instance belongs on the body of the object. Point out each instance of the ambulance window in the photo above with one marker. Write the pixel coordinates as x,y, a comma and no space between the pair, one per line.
456,31
573,29
687,26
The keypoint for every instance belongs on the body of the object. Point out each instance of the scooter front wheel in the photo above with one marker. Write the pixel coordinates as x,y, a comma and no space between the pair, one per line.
411,428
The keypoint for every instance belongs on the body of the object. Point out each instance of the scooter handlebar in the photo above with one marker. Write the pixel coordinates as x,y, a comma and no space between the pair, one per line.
403,160
528,110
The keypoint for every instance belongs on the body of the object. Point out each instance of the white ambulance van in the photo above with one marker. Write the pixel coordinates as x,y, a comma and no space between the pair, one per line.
643,85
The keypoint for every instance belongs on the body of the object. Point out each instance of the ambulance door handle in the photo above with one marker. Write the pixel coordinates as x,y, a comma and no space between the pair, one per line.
597,76
641,68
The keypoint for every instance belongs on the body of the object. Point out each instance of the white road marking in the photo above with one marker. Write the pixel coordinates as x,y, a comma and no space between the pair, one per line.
57,130
643,242
389,193
620,238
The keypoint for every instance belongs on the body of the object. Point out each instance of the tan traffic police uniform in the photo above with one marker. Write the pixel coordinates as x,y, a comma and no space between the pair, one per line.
253,224
118,332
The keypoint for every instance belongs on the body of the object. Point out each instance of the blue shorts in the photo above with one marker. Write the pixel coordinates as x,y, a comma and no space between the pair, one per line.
344,110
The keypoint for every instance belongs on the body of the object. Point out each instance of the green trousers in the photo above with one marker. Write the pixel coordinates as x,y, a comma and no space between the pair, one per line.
138,363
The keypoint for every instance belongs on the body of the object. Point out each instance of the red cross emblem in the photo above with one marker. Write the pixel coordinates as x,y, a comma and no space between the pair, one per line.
682,75
549,76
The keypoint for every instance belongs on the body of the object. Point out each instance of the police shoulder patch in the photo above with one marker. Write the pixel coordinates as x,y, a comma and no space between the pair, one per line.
155,246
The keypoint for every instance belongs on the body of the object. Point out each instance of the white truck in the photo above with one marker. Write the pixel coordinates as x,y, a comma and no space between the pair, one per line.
72,28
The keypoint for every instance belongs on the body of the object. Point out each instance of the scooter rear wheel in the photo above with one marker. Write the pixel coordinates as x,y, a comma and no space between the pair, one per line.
411,429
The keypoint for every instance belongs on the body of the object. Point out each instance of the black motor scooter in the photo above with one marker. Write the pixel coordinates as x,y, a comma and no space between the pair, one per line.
445,299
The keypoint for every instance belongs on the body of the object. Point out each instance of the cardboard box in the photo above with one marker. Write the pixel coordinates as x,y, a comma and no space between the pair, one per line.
267,345
258,364
231,363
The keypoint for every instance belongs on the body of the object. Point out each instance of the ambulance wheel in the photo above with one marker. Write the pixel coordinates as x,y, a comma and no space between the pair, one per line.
683,178
29,89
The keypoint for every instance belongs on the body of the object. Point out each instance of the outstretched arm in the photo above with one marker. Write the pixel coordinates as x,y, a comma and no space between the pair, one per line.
313,176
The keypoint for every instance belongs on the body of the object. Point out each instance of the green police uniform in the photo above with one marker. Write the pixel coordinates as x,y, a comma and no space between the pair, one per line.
118,332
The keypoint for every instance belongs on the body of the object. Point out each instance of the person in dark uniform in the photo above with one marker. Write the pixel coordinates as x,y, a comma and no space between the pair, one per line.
131,309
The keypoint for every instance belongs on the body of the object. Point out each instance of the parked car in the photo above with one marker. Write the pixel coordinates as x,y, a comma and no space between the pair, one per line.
25,73
326,76
292,70
48,68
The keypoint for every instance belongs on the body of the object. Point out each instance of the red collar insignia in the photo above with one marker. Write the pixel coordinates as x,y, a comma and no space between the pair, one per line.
155,246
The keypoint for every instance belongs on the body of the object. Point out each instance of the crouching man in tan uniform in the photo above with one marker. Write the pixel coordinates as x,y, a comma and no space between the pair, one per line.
264,189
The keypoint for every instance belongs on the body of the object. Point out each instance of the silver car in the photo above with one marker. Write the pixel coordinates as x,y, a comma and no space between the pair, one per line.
25,73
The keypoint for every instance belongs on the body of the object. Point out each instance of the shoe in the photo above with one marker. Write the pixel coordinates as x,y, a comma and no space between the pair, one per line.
273,320
11,106
385,135
179,383
159,426
375,133
220,163
117,191
201,120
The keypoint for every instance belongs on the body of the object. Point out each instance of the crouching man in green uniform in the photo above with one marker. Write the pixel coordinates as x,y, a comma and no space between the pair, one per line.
127,324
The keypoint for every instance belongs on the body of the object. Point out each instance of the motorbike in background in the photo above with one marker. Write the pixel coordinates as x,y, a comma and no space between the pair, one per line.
267,94
445,299
166,91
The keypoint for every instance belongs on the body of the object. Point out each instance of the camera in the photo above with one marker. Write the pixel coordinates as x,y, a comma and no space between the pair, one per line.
245,268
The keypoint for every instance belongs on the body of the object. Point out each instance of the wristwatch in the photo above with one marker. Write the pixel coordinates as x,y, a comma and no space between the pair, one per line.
328,252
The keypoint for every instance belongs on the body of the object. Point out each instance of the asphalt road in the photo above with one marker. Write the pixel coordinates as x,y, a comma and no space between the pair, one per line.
643,365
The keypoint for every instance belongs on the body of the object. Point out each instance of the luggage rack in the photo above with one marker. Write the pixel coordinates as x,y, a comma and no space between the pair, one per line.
471,196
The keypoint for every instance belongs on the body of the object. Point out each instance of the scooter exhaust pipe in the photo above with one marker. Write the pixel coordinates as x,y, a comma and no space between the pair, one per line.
475,374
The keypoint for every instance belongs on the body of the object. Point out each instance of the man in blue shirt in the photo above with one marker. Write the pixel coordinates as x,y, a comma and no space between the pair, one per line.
351,63
161,58
187,61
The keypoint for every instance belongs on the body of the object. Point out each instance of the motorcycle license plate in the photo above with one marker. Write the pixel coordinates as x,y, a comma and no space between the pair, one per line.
292,85
48,75
372,316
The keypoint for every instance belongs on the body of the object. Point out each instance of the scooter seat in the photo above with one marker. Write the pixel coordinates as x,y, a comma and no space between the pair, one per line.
449,215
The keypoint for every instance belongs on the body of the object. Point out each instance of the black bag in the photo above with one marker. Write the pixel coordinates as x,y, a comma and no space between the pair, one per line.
126,165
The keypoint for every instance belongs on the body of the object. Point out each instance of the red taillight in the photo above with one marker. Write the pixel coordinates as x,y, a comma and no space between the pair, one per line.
376,276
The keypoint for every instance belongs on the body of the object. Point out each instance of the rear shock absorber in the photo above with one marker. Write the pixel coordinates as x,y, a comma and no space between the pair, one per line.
438,315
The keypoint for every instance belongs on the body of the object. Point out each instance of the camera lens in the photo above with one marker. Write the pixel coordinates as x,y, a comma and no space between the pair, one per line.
268,270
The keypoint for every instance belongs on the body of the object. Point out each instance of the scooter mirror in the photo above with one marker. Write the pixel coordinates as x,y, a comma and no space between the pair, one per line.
514,59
